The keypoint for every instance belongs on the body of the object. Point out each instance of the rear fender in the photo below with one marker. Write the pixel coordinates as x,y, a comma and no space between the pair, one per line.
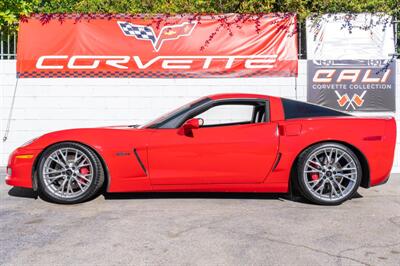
372,139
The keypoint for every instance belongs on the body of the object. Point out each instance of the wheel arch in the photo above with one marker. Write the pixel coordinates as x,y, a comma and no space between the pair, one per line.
103,163
365,179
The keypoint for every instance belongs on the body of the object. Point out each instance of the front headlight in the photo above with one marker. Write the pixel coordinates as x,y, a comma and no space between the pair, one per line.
28,142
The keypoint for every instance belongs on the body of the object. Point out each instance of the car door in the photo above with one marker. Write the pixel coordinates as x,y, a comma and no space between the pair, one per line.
222,151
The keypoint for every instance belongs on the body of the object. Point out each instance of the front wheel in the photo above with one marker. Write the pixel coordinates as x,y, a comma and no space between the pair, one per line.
328,173
69,173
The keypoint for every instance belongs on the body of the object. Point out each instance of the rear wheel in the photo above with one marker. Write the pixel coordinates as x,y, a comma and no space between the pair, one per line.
328,173
69,173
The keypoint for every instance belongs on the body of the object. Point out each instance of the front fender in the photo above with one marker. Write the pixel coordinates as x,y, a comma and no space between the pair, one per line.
115,147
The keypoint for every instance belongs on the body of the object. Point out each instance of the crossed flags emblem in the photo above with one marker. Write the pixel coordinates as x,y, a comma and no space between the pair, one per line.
356,100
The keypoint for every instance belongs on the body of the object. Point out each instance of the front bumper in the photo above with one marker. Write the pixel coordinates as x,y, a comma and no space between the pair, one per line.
19,167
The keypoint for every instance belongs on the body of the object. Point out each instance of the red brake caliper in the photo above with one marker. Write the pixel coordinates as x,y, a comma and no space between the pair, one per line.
83,171
314,176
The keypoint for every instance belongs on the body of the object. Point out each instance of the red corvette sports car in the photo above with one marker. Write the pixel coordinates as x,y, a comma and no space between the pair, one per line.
221,143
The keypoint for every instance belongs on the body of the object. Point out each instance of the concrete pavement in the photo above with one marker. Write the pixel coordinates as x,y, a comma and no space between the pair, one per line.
200,229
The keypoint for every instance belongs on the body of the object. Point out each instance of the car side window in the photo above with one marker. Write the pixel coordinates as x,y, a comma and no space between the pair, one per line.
234,114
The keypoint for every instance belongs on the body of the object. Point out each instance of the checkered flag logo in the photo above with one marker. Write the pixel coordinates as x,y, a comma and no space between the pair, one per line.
140,32
146,33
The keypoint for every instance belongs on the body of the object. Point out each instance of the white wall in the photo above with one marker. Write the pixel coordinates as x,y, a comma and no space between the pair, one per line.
43,105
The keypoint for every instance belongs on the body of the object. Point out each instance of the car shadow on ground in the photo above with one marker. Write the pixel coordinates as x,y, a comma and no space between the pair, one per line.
192,195
210,195
30,193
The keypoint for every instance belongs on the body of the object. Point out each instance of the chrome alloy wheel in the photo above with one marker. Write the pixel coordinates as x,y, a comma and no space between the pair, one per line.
330,174
67,172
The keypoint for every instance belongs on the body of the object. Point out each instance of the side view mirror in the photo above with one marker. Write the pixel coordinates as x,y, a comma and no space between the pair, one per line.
189,125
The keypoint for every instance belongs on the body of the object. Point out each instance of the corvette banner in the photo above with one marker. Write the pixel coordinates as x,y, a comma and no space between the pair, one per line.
170,47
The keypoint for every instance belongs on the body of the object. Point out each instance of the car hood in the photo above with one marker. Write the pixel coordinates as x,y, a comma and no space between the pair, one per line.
95,137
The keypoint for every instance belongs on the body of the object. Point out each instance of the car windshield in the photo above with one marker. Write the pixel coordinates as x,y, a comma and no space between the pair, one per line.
174,113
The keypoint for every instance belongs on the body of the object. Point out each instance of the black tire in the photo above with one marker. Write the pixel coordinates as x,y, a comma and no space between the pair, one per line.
92,189
301,179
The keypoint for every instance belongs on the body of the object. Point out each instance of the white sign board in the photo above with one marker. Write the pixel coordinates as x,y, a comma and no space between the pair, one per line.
349,37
